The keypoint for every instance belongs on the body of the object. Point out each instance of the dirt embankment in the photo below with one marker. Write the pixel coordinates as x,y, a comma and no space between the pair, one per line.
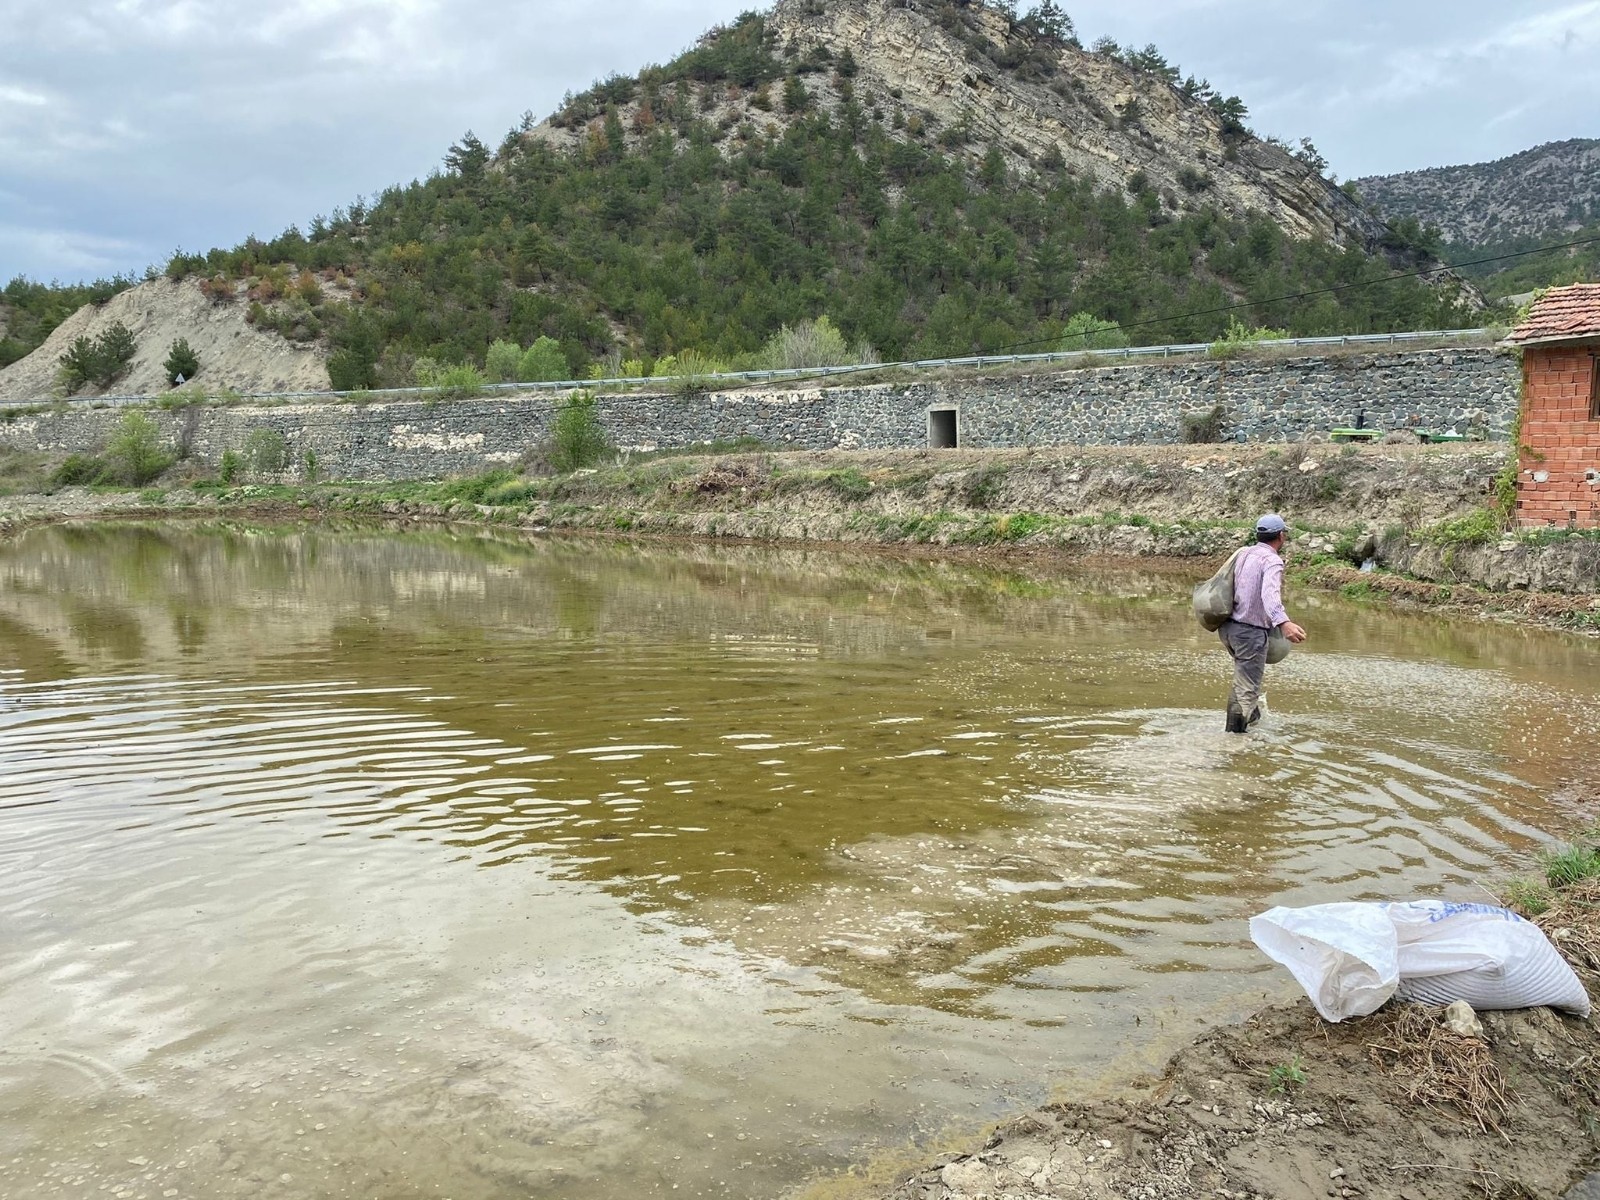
1421,512
1287,1107
233,354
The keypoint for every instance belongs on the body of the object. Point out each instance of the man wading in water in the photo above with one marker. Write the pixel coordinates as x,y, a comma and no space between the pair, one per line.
1257,611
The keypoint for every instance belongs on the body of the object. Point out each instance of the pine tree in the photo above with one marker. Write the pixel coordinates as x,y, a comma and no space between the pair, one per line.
182,362
468,157
795,97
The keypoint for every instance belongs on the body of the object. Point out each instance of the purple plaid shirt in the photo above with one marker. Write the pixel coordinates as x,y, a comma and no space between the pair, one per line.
1258,587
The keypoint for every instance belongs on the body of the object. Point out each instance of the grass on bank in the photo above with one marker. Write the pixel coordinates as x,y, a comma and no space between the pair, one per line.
22,473
1567,883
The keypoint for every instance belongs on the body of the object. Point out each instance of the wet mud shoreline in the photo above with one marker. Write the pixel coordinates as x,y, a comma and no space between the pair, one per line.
1550,584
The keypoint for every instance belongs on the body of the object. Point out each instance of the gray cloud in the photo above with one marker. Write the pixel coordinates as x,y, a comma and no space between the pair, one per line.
130,127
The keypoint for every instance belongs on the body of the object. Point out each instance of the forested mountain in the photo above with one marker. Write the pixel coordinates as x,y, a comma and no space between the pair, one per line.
1540,193
935,177
1541,197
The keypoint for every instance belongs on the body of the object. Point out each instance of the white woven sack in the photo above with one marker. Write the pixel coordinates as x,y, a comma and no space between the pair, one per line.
1485,955
1345,956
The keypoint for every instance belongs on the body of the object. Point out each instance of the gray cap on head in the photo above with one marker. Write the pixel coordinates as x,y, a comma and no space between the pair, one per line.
1271,523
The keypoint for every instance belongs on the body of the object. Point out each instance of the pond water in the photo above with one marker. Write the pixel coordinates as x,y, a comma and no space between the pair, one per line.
350,863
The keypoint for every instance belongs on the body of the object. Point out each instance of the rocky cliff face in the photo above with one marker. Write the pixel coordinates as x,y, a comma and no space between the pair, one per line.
1550,189
935,71
1109,121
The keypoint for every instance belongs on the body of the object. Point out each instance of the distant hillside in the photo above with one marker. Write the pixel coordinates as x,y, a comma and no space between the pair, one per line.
29,311
1539,193
935,177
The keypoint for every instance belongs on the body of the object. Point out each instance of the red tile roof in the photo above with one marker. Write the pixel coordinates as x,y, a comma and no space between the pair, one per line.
1561,314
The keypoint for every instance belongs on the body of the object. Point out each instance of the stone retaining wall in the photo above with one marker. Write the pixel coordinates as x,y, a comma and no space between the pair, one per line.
1261,400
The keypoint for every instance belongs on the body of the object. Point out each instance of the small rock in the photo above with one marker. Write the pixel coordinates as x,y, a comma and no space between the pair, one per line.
1461,1019
1336,1173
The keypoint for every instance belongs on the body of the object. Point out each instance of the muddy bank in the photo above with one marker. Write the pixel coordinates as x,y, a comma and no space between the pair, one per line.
1287,1107
1178,495
1420,513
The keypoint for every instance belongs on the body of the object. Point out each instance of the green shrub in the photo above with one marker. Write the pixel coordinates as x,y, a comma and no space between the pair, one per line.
79,364
1570,864
476,489
134,455
351,371
458,383
229,470
543,362
116,347
78,470
577,439
812,344
1241,337
512,492
182,364
1020,525
690,364
848,483
1085,331
425,371
266,452
503,362
1477,528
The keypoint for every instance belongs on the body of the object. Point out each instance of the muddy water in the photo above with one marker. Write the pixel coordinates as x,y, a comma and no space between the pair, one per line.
339,863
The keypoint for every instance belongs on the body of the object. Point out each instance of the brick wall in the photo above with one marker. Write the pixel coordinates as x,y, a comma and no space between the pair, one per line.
1561,439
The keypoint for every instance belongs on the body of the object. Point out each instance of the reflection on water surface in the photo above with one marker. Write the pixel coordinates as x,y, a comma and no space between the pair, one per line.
343,863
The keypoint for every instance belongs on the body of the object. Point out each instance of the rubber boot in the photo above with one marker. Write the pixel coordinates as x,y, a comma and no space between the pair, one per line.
1236,723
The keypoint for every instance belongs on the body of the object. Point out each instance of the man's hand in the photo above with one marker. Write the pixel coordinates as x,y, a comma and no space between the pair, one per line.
1293,632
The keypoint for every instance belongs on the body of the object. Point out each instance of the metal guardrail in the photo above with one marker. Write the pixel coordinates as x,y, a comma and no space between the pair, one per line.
924,364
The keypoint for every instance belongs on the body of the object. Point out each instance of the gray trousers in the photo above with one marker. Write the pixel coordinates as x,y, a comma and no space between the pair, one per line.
1248,646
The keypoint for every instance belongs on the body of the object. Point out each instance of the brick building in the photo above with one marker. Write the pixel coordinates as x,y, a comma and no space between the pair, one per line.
1559,483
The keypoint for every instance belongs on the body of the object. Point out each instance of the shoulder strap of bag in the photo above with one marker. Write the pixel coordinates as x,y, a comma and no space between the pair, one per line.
1228,567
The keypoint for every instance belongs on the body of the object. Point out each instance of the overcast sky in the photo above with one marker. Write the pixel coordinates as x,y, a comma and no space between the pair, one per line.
129,128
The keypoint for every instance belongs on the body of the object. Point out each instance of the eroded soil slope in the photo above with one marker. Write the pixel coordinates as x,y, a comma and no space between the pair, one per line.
233,354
